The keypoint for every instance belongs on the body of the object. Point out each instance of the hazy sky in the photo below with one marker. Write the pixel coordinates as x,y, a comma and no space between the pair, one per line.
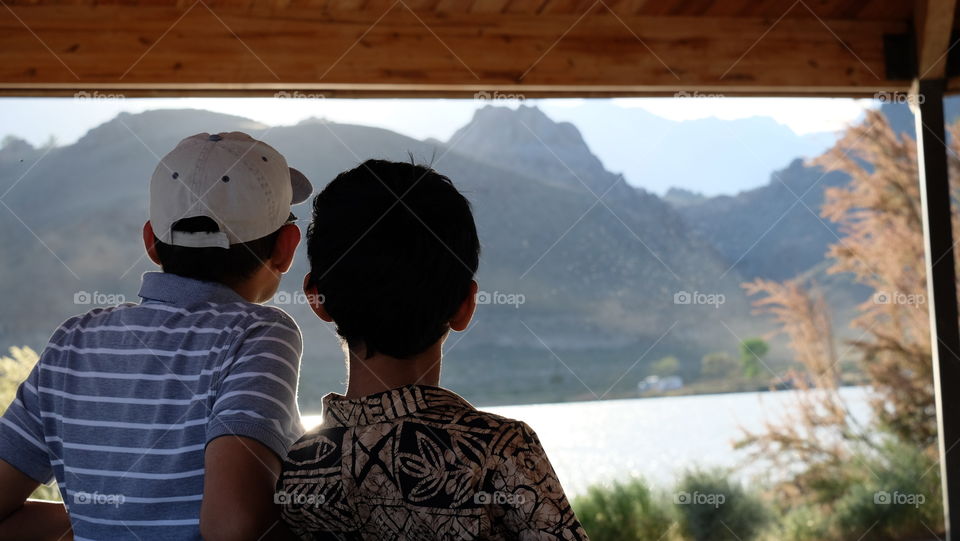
67,119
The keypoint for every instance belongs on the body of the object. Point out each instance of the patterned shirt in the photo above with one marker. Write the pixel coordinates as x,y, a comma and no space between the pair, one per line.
421,463
123,401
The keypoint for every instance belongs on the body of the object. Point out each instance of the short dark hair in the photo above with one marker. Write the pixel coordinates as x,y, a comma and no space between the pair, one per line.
393,249
224,265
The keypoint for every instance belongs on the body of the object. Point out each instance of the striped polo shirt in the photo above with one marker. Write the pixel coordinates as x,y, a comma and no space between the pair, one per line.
123,401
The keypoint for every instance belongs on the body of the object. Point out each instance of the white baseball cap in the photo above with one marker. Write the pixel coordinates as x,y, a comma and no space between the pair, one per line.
244,185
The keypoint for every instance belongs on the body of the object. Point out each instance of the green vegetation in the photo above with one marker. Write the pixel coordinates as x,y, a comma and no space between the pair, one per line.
712,507
718,365
624,511
705,506
891,492
667,366
888,493
752,351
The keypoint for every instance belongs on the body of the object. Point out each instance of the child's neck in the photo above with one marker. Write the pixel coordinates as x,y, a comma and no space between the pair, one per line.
381,373
259,287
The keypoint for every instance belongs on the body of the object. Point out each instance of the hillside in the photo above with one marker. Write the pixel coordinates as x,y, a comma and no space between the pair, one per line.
775,231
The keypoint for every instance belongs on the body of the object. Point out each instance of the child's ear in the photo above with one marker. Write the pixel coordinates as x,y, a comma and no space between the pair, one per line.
150,242
315,299
286,247
464,314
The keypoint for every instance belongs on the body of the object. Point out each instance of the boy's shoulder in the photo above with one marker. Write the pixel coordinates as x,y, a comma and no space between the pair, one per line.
264,313
92,318
239,309
107,323
411,416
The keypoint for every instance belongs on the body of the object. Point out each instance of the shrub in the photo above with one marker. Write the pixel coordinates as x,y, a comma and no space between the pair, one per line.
627,511
898,497
888,493
805,523
712,507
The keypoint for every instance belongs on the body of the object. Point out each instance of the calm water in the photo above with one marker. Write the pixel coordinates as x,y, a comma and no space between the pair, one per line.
654,438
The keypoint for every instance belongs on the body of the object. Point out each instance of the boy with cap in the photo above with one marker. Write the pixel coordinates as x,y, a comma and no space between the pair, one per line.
167,419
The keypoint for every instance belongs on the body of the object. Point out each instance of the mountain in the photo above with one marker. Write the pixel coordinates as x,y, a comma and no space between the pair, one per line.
681,197
706,155
775,231
530,143
597,263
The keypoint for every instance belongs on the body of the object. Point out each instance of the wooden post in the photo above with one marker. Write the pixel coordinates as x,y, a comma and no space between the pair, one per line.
941,287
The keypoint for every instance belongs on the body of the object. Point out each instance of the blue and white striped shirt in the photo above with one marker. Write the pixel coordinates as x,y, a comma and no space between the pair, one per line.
123,401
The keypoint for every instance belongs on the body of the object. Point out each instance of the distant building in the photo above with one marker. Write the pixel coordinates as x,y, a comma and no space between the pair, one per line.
658,385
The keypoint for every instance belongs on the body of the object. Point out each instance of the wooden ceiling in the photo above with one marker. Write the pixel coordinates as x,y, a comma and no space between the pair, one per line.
460,47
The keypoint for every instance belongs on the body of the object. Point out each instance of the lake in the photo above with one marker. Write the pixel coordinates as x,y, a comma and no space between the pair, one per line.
654,438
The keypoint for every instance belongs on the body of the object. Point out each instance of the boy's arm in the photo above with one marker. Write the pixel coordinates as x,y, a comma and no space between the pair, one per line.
253,421
24,463
524,495
23,520
240,472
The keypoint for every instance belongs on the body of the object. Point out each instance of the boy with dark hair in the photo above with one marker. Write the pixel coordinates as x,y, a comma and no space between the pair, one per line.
393,251
168,419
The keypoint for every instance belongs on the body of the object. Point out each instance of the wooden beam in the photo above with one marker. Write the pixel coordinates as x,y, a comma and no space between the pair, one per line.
933,26
935,197
259,49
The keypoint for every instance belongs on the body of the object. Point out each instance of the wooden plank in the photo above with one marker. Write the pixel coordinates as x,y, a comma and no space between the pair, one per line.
935,196
261,48
626,8
934,22
488,6
453,6
523,7
554,7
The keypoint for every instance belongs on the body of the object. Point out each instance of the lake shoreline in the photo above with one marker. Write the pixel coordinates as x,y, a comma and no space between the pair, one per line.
600,441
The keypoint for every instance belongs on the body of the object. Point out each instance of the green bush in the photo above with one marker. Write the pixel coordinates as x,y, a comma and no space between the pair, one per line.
712,507
889,493
627,511
897,497
806,523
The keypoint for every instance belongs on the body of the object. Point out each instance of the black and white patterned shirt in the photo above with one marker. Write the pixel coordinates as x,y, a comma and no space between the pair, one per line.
421,463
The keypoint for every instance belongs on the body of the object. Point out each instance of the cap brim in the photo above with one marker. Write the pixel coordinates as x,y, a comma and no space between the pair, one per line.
301,186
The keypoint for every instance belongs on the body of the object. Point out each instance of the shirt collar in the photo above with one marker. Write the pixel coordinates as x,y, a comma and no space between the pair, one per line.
177,290
339,410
